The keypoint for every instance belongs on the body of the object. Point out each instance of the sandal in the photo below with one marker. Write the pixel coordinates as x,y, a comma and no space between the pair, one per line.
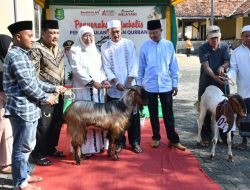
34,179
6,169
43,162
137,149
58,154
86,156
30,187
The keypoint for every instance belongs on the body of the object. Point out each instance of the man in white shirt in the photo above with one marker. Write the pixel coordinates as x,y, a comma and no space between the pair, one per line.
158,74
240,68
121,68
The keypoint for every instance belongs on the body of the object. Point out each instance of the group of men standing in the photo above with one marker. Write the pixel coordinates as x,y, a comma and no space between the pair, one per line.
34,72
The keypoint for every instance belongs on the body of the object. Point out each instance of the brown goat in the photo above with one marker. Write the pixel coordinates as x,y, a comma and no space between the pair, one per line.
213,100
112,116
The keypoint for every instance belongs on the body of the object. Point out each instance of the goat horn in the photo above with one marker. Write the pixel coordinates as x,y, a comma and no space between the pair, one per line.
131,88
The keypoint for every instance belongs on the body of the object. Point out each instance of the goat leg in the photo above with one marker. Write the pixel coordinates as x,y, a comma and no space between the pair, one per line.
229,145
77,154
76,144
200,123
109,150
215,139
113,153
112,147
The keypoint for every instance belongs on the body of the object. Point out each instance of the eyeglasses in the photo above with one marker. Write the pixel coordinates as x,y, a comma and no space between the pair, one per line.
87,36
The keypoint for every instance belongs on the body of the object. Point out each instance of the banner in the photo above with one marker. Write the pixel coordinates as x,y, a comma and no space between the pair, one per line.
133,19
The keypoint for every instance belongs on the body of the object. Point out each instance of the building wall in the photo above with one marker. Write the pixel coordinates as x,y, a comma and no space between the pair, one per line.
228,28
195,31
246,21
24,11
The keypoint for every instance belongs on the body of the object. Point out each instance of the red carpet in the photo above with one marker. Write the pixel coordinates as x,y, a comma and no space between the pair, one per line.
155,169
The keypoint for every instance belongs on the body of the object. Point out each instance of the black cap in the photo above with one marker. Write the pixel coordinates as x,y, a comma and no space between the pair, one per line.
68,43
19,26
50,24
154,24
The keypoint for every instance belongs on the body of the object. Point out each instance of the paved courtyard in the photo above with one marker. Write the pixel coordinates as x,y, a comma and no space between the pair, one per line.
230,176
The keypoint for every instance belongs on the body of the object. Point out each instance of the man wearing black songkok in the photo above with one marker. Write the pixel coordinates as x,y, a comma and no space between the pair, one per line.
24,93
158,74
48,60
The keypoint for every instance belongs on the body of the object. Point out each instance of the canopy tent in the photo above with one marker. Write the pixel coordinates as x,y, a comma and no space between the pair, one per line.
44,3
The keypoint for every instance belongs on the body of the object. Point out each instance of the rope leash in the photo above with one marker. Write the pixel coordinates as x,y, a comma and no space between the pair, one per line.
69,93
228,81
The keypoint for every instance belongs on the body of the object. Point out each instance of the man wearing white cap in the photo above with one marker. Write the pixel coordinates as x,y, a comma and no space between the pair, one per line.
214,58
240,68
121,68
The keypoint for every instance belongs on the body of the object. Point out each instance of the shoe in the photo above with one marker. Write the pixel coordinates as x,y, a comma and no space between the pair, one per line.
30,187
42,161
86,156
178,146
155,143
58,154
6,170
34,179
137,149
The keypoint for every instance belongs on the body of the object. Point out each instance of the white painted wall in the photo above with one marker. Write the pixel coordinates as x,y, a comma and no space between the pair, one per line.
24,11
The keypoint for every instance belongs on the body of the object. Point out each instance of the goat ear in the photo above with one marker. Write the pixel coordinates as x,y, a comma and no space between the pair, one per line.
230,116
218,112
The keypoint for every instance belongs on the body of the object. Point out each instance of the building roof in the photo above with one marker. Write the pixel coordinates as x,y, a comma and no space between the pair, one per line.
202,8
243,9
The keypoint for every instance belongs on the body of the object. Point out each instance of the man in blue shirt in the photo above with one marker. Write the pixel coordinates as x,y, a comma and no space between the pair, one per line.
24,91
158,74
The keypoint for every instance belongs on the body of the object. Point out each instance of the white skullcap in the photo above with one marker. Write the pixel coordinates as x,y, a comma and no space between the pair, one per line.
246,28
114,24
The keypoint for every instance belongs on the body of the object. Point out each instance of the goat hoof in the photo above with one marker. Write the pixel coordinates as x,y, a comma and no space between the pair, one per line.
230,158
109,153
78,163
212,157
116,158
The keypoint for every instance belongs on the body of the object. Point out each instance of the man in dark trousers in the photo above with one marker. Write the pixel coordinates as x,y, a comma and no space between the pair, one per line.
214,58
48,60
158,74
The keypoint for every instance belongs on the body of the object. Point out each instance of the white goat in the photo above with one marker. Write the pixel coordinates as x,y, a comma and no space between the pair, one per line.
215,101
